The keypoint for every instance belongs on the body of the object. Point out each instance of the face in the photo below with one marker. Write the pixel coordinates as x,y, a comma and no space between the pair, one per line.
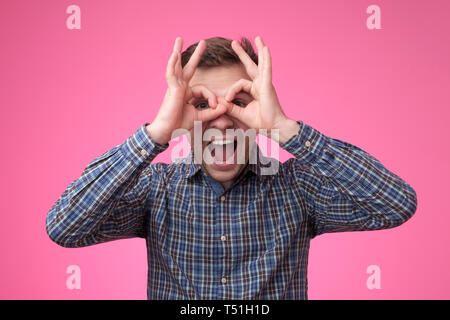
218,80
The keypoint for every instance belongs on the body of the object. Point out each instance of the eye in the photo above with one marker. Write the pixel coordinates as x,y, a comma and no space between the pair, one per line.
239,103
202,105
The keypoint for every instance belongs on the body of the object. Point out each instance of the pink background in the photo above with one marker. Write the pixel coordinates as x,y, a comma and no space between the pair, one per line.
67,96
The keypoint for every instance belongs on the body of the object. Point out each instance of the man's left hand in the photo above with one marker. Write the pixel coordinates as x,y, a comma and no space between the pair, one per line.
265,111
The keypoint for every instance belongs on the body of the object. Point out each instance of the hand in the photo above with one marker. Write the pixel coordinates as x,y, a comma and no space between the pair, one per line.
264,112
176,112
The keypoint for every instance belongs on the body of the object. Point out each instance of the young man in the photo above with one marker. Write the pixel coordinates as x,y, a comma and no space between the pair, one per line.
220,229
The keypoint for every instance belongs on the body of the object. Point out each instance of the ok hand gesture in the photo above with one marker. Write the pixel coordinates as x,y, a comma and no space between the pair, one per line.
264,112
176,112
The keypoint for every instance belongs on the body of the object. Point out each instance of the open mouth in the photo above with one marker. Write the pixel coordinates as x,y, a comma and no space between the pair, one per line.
223,151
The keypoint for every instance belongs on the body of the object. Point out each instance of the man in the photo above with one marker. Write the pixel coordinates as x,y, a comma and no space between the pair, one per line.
221,229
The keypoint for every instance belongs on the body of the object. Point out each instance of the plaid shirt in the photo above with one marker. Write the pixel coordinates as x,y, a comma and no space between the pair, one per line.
250,241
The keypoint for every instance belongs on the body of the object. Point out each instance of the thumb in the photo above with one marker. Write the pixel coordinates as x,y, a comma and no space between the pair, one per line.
231,109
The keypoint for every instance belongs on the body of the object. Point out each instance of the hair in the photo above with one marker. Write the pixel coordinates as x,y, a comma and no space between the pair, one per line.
219,52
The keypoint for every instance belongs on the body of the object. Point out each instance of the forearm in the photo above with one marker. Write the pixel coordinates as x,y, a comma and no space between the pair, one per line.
353,189
92,209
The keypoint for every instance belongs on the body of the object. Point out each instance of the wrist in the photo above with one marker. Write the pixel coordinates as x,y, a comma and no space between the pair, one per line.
156,135
287,128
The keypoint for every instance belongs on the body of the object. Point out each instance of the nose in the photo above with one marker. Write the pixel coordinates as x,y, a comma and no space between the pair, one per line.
222,123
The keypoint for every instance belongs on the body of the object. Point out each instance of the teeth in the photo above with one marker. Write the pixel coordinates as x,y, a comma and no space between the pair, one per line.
221,142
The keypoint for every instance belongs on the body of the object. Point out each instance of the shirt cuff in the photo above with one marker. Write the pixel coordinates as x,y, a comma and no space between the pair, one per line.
141,148
307,146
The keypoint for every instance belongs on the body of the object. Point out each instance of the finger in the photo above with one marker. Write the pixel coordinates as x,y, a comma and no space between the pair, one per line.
234,111
170,70
178,67
260,40
188,95
240,85
268,65
249,64
178,45
209,114
200,91
260,45
194,60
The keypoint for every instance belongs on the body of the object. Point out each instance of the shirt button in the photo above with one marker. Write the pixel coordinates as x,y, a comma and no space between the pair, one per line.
224,280
222,198
308,144
223,238
143,152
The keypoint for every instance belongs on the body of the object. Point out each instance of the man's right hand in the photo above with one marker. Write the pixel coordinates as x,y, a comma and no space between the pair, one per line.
176,111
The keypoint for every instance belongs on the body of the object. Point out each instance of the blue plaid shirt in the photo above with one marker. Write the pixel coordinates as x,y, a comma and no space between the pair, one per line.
250,241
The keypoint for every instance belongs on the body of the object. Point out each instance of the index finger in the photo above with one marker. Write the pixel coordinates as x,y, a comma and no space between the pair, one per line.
178,44
249,64
189,68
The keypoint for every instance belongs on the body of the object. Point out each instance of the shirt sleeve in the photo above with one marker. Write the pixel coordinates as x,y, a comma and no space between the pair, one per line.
111,199
346,189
